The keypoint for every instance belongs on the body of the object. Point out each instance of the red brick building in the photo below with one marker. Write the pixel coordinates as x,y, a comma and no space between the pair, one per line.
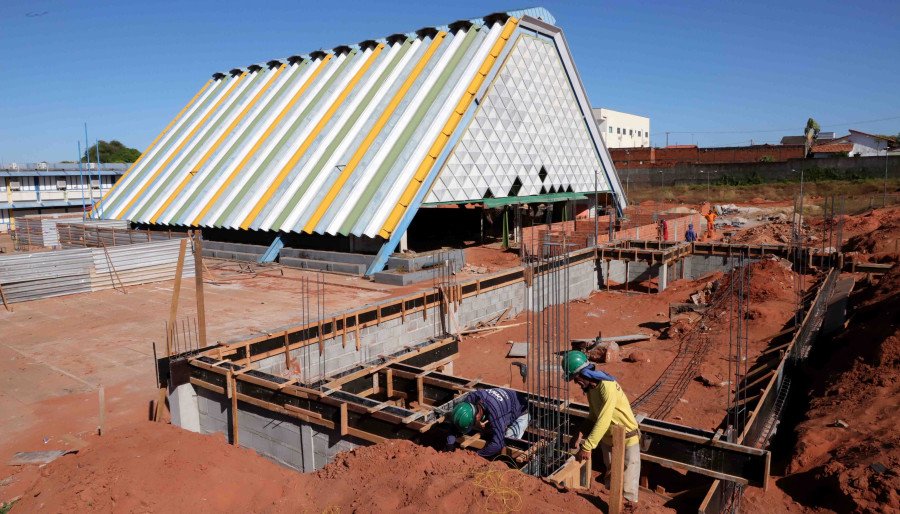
667,157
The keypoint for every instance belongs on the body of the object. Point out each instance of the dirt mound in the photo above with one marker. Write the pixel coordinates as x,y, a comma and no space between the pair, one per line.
874,234
848,450
776,232
771,278
150,467
492,259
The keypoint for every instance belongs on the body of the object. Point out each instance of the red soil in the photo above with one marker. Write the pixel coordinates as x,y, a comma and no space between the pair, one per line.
490,257
875,235
147,467
858,384
483,355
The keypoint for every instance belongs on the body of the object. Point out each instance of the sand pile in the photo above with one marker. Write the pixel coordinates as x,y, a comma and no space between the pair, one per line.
149,467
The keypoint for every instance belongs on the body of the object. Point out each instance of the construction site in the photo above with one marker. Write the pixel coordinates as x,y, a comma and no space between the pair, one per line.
280,305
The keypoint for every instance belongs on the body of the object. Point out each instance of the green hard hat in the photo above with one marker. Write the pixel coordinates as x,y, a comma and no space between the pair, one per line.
572,362
463,416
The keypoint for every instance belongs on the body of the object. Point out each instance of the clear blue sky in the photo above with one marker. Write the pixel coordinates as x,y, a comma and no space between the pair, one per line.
697,68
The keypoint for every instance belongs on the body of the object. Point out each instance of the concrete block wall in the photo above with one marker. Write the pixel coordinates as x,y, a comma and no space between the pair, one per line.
285,440
696,266
392,335
637,271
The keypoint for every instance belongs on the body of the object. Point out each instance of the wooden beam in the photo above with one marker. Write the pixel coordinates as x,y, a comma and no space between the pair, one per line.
3,297
343,412
176,294
617,470
234,409
198,281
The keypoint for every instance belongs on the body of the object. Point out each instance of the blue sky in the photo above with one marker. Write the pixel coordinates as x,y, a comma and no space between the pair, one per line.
708,72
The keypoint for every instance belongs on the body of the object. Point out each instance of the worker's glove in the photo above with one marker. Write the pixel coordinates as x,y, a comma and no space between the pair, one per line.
451,443
583,455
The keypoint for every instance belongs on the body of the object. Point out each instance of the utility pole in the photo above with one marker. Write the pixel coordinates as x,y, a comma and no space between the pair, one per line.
884,194
667,139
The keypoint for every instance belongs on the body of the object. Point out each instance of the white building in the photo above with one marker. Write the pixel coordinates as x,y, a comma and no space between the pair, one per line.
50,188
622,130
867,145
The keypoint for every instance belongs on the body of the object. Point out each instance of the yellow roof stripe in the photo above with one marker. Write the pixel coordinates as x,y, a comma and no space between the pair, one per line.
152,144
370,138
189,137
237,169
217,144
444,136
310,138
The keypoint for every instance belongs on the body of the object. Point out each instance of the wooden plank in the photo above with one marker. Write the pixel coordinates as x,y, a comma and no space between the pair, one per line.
198,281
343,331
287,352
234,409
160,404
343,412
3,297
666,463
176,294
617,470
101,422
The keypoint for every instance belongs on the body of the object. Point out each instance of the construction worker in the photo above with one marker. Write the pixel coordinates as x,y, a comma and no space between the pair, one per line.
500,412
690,236
608,406
710,224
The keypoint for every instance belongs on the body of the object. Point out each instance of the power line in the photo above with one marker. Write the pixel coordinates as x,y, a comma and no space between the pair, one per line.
778,130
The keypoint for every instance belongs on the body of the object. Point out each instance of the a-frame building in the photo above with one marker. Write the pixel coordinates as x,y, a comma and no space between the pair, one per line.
353,141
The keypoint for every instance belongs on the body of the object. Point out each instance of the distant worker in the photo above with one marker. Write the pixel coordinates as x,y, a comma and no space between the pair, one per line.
608,406
690,236
665,230
710,224
499,412
659,230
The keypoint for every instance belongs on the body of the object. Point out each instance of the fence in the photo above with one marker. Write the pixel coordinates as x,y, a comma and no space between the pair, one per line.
849,167
94,234
32,276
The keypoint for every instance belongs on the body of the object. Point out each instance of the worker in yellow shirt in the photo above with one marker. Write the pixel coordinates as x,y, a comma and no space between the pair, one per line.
608,406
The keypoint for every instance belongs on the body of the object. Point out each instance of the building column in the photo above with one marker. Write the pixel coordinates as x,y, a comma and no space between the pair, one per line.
663,277
403,246
185,408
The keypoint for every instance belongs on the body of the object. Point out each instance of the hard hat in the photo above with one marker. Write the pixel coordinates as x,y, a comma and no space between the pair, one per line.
463,416
572,362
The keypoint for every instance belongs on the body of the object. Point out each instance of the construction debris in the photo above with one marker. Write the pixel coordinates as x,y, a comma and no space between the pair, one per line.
37,458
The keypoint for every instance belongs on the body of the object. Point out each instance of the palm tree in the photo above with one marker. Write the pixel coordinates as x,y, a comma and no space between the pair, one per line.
811,131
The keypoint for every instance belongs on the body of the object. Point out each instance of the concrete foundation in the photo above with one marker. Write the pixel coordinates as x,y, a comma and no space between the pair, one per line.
185,408
308,447
287,441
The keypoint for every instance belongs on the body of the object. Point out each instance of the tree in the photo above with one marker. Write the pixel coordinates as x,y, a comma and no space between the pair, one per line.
811,131
113,151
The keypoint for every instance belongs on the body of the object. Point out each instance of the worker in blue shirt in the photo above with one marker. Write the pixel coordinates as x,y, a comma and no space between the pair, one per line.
498,412
690,236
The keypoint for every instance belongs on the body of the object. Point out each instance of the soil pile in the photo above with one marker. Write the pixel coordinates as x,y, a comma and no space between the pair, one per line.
492,259
776,232
874,235
771,279
149,467
847,455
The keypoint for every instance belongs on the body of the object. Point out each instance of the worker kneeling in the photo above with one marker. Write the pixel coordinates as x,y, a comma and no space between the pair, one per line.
500,412
608,406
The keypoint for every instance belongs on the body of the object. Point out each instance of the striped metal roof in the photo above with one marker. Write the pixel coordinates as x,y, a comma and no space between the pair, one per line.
343,141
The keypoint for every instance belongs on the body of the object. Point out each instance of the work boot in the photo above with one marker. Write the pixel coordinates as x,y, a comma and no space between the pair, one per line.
629,507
